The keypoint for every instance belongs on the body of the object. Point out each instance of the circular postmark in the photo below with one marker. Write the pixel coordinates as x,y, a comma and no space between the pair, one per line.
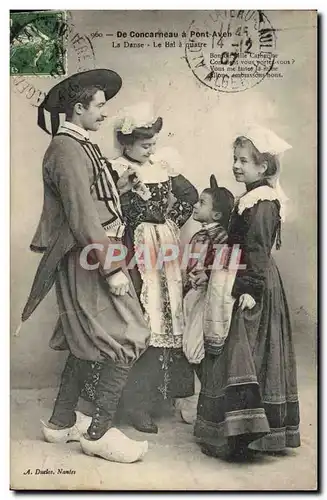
231,50
74,50
79,46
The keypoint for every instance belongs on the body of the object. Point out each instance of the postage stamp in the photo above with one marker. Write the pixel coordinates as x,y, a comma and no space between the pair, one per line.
81,58
232,50
37,43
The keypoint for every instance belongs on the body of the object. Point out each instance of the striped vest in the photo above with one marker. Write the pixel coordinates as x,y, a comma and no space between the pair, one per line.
103,187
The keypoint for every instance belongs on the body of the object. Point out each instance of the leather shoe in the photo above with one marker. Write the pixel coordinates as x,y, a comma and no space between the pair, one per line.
143,422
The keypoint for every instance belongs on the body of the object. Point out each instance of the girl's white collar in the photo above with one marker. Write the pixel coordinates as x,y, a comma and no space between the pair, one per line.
261,193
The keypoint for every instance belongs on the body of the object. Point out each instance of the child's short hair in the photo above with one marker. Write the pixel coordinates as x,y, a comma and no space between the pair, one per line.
222,201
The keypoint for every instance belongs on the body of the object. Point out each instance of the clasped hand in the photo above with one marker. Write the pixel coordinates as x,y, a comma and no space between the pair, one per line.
118,283
198,279
128,180
246,301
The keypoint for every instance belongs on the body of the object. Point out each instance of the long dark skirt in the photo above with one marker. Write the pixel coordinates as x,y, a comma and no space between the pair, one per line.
159,374
250,390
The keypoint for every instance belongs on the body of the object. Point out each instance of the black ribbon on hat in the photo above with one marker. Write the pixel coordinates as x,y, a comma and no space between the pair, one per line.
54,118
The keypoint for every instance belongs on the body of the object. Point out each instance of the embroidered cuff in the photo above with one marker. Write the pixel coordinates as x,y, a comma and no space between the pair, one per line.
110,272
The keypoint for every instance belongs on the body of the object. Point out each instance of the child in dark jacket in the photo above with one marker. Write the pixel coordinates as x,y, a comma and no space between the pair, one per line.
213,211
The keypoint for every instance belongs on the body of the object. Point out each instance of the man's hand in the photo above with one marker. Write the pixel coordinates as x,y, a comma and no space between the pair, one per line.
246,301
118,283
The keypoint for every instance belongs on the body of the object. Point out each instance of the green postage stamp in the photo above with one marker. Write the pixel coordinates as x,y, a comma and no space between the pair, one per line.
37,43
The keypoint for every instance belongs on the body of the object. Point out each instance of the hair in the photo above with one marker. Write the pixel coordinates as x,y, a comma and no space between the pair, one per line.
81,95
222,202
259,158
140,133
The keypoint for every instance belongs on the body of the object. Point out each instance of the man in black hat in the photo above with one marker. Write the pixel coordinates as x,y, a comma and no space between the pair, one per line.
100,319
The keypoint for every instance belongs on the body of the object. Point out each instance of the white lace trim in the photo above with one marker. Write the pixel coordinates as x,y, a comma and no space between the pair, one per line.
149,173
135,116
159,340
262,193
129,124
157,169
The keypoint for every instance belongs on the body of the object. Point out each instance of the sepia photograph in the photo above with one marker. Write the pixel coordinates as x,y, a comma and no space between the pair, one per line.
163,248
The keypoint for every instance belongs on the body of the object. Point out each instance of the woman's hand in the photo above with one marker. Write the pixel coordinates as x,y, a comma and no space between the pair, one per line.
246,301
128,180
198,279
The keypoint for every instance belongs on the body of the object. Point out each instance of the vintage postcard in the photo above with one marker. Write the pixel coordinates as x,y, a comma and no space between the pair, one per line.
163,250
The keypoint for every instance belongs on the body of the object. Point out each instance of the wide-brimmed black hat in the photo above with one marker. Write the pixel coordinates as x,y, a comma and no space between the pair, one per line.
66,91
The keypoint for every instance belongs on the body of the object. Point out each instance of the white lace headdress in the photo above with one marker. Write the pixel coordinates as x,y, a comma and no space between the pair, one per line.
266,141
132,117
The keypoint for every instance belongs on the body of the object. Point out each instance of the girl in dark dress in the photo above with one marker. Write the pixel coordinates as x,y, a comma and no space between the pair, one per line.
249,398
156,201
